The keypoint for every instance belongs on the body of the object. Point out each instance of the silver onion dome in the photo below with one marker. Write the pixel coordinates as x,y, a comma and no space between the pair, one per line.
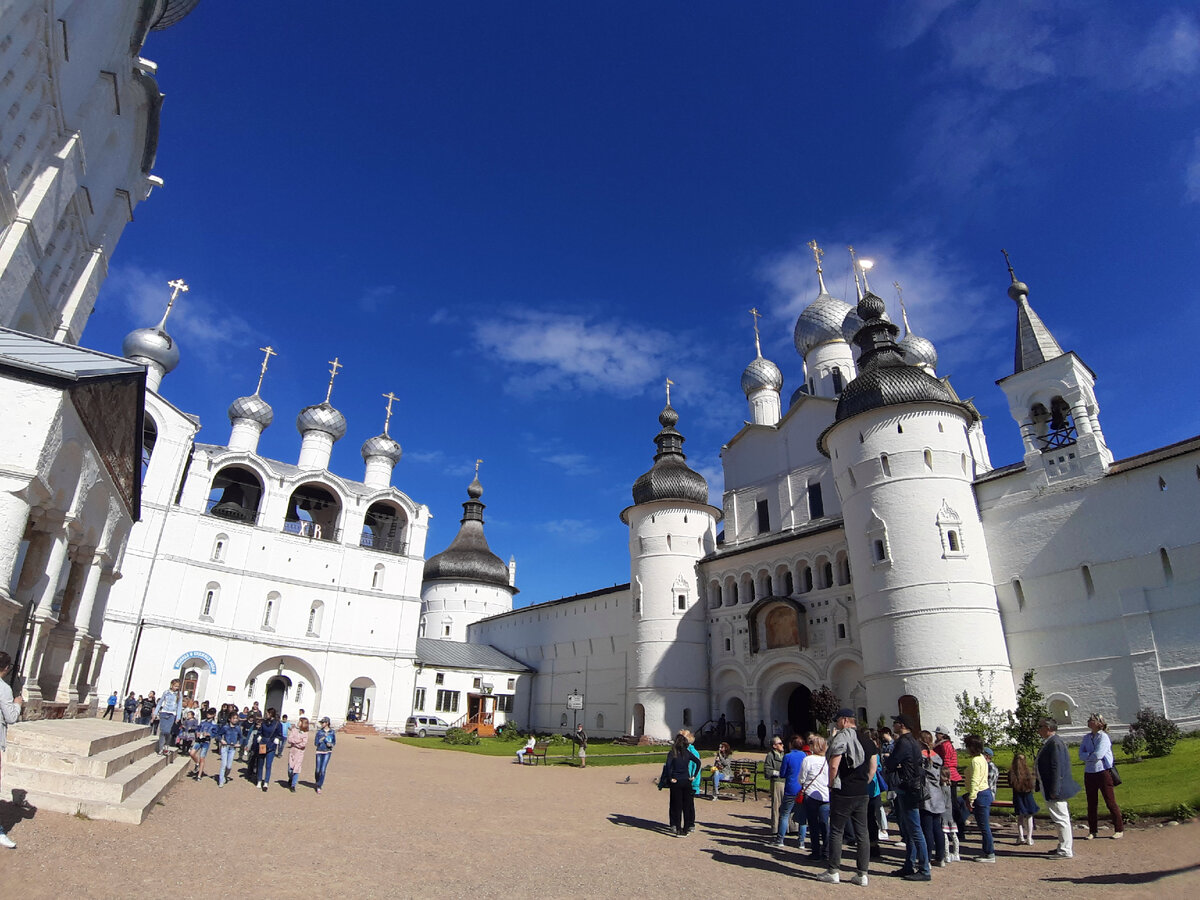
254,408
381,445
322,417
151,345
821,322
919,351
761,374
850,326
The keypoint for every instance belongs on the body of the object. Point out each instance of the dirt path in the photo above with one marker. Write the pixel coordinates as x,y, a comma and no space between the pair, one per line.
399,821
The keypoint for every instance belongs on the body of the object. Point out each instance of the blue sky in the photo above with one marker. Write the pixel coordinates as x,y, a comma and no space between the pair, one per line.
522,217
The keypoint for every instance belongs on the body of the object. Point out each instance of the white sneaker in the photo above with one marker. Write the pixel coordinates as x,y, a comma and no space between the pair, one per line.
860,880
1117,835
829,877
6,841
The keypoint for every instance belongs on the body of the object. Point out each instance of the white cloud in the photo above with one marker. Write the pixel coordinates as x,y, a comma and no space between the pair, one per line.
203,326
1170,55
1192,173
572,463
574,531
372,298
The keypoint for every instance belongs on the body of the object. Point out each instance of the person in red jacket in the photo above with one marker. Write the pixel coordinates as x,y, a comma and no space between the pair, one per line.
944,747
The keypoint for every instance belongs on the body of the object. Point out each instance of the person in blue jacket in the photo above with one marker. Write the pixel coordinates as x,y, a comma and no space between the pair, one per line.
789,771
229,737
324,741
270,736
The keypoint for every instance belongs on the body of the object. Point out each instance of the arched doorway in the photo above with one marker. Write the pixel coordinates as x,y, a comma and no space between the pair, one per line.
277,691
799,711
735,719
639,720
911,706
362,698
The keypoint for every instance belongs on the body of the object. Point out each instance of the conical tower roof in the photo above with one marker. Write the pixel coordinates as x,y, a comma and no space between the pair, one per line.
469,558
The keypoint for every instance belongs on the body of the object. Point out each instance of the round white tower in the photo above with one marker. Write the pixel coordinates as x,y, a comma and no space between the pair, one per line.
466,582
928,617
671,526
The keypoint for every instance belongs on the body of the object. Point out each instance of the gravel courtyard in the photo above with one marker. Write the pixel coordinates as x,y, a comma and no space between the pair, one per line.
401,821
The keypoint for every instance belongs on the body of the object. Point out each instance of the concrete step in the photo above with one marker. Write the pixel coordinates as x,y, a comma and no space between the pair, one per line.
99,765
112,788
132,810
81,737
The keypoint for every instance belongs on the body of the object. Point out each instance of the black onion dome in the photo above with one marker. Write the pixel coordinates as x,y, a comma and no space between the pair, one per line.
670,478
468,558
885,378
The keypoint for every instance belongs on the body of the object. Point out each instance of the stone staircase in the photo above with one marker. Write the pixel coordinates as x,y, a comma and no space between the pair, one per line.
358,728
92,767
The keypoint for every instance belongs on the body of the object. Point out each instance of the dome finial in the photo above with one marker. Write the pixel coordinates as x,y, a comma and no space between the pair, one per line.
1017,289
669,383
757,345
390,398
178,286
332,375
817,253
268,352
854,267
475,488
903,311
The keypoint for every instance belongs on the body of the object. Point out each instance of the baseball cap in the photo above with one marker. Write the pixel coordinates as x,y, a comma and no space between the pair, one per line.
905,720
846,713
942,729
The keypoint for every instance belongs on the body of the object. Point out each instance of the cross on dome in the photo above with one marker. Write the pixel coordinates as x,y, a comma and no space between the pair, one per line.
178,286
268,352
757,345
854,268
390,398
332,375
669,383
817,253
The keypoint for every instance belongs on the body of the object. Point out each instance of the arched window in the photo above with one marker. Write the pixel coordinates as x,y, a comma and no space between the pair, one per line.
827,574
1054,428
687,716
313,512
1019,593
208,605
806,579
220,545
836,374
384,529
1165,559
949,524
149,439
928,460
599,720
843,569
316,612
235,494
885,465
714,595
735,593
789,583
952,540
270,611
377,577
877,537
770,586
1089,587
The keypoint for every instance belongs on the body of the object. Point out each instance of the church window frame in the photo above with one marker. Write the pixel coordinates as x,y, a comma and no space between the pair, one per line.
1089,585
728,645
1018,593
763,510
949,524
447,701
220,547
271,611
316,613
439,677
816,501
839,383
208,603
419,700
877,539
885,465
378,574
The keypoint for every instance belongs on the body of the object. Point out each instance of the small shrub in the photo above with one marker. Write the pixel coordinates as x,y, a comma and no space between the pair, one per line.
825,705
461,737
1160,732
979,715
1185,811
558,739
1134,745
1031,709
511,733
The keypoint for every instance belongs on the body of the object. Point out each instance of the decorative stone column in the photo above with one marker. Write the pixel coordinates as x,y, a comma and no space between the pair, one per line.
98,651
14,520
92,576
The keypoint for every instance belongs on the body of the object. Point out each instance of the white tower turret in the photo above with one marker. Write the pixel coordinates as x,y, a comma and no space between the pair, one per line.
930,622
381,453
671,526
466,582
153,347
820,341
320,425
761,383
1052,395
250,415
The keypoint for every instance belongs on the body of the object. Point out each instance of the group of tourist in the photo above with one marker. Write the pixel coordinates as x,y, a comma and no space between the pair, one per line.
831,792
248,735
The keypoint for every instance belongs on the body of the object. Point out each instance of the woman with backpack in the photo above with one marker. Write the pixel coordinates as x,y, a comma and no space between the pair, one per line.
934,806
677,778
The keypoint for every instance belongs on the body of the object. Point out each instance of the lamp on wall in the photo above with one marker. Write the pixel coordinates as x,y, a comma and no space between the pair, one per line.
279,670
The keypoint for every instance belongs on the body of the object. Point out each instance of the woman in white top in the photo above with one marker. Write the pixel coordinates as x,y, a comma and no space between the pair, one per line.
1095,752
10,713
528,748
814,781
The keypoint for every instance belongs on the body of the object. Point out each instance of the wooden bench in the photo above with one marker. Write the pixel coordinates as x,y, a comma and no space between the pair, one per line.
1002,782
743,776
531,757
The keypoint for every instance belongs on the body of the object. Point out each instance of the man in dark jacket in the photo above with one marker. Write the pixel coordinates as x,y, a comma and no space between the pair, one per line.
905,769
1054,769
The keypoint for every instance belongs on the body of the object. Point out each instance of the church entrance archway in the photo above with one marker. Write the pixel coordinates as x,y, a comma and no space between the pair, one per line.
277,691
639,720
362,698
735,720
799,711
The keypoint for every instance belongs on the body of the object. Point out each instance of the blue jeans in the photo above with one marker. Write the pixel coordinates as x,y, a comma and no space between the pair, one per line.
265,760
935,837
817,811
227,751
293,778
322,765
983,818
166,721
908,816
785,817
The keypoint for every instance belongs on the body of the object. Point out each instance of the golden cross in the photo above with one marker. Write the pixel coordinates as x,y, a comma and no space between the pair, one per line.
390,398
669,383
178,286
757,315
817,253
268,352
332,375
478,463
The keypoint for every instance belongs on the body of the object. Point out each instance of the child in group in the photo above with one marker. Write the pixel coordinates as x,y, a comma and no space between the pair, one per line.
324,741
187,733
297,743
1024,783
204,734
230,739
948,824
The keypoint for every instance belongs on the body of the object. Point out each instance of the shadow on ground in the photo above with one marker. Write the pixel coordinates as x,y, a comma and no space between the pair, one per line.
1126,877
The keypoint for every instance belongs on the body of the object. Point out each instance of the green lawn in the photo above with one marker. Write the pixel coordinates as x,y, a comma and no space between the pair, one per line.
600,753
1153,787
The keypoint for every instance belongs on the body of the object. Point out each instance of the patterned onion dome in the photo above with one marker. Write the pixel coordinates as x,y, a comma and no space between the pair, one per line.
322,417
381,445
919,351
850,326
172,11
152,345
254,408
820,323
670,478
761,374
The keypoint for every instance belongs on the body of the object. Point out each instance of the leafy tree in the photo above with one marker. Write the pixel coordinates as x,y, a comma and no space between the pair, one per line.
461,736
1159,732
979,715
1134,745
825,705
1031,709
